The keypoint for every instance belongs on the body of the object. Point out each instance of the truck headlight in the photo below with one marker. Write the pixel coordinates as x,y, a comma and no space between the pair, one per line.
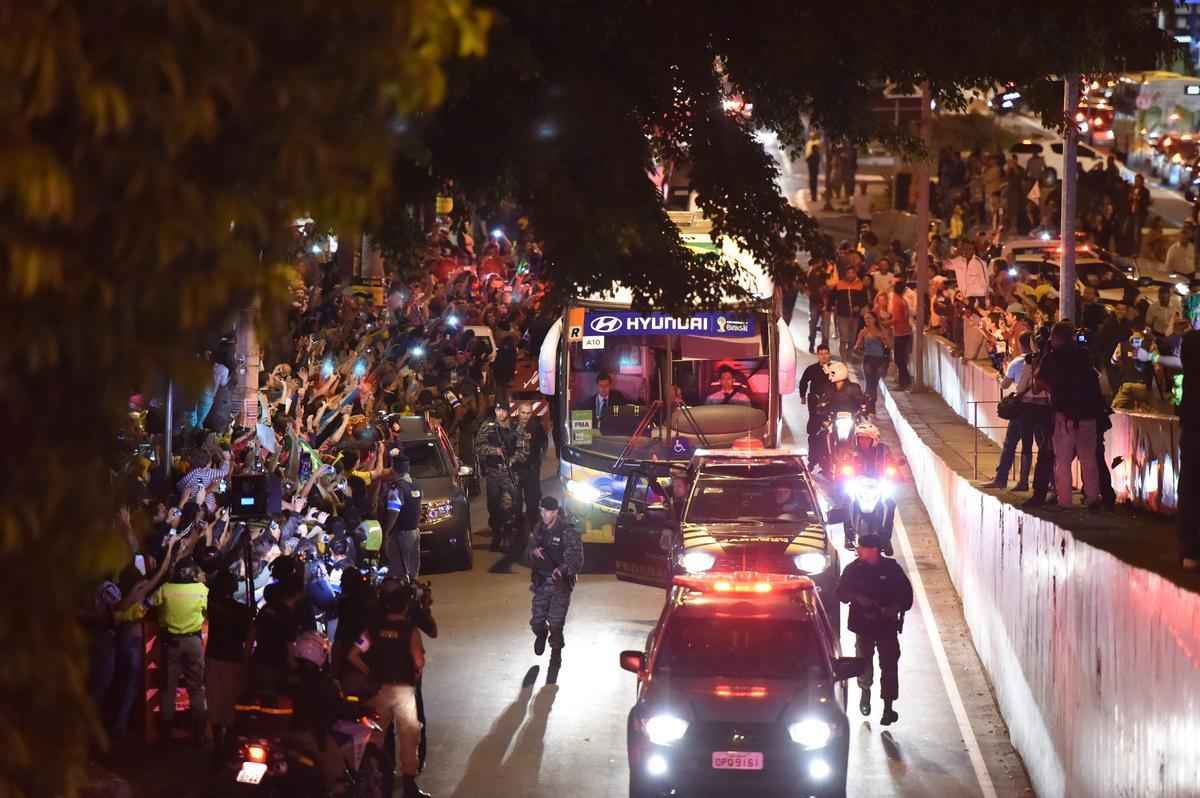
665,729
811,562
697,562
810,733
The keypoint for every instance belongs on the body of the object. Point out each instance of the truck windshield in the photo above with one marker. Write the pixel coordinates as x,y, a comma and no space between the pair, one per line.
725,498
750,648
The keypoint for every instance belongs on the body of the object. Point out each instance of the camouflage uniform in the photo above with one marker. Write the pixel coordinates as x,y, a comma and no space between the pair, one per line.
502,453
562,546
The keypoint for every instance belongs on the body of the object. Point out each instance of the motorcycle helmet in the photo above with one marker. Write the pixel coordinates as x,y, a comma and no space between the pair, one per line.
311,647
836,371
866,432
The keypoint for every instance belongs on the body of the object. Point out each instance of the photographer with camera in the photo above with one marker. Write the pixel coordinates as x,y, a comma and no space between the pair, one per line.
1067,372
391,653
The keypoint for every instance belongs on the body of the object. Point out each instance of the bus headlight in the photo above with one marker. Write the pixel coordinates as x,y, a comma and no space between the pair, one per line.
810,733
811,562
697,562
583,491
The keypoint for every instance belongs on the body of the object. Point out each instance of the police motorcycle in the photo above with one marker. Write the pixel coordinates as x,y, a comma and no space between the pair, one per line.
273,754
870,489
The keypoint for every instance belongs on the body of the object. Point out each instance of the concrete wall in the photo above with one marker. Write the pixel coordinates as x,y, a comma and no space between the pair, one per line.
961,382
1095,664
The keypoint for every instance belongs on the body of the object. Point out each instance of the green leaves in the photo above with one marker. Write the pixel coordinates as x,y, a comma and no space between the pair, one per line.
154,155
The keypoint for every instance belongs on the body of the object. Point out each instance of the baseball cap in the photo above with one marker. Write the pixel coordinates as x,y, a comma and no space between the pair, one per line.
548,503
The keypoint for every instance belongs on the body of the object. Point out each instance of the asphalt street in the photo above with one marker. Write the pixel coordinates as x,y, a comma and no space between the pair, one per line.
502,724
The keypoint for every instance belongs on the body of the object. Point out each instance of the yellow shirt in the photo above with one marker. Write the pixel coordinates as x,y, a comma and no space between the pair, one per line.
181,606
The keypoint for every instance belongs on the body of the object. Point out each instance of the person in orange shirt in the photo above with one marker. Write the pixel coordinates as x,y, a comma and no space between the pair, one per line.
849,298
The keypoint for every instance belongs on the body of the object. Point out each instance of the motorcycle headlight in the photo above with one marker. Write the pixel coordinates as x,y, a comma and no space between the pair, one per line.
811,562
697,562
665,729
810,733
844,426
583,491
866,493
887,488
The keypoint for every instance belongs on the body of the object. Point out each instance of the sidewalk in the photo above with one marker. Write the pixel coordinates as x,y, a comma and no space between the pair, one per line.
1143,540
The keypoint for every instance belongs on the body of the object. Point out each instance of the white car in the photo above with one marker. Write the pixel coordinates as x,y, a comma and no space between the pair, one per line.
1050,246
1108,280
1052,153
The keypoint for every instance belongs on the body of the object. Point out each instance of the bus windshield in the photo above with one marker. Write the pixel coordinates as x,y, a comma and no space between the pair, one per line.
710,375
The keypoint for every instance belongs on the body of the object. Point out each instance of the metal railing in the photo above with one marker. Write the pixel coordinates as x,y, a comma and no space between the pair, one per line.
978,432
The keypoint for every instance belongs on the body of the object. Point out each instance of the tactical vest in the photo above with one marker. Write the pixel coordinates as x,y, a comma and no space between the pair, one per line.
409,505
390,656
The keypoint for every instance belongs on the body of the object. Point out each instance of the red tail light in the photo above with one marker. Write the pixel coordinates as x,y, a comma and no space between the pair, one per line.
739,691
256,753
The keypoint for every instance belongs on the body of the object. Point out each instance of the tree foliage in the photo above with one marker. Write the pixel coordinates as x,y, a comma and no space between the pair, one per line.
152,154
576,101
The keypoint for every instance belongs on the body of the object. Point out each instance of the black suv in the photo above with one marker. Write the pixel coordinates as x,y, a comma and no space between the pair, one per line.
741,691
752,510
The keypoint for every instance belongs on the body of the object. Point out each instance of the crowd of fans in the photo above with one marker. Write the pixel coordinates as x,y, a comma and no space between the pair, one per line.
449,346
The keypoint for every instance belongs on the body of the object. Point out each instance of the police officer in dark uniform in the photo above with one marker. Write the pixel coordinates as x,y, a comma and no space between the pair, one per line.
503,449
392,654
555,559
401,532
879,593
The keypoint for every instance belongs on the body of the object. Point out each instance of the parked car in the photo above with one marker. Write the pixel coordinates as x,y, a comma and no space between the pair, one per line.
441,479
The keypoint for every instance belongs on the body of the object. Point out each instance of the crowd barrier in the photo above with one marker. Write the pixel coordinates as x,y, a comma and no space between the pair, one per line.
1146,443
1095,663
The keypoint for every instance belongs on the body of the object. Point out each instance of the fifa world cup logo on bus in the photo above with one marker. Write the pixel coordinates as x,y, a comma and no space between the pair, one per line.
721,323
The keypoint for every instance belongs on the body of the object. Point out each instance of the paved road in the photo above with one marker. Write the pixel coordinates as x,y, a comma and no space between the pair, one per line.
502,725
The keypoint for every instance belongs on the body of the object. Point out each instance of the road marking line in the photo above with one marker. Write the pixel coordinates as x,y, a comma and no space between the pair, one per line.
939,654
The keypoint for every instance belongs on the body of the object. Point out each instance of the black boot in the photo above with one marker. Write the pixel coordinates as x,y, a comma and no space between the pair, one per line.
864,702
411,790
539,643
889,715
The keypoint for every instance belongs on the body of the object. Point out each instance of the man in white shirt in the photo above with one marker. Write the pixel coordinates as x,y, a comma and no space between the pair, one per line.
970,272
1161,315
1181,256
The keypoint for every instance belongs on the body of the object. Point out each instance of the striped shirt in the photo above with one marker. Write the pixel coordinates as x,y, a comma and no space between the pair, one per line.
201,477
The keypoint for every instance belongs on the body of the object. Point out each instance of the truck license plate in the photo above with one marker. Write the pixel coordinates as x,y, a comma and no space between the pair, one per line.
737,760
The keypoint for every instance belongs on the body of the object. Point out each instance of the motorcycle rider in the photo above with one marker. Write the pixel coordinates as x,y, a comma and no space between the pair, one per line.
318,703
843,396
872,458
555,558
503,449
879,593
392,653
